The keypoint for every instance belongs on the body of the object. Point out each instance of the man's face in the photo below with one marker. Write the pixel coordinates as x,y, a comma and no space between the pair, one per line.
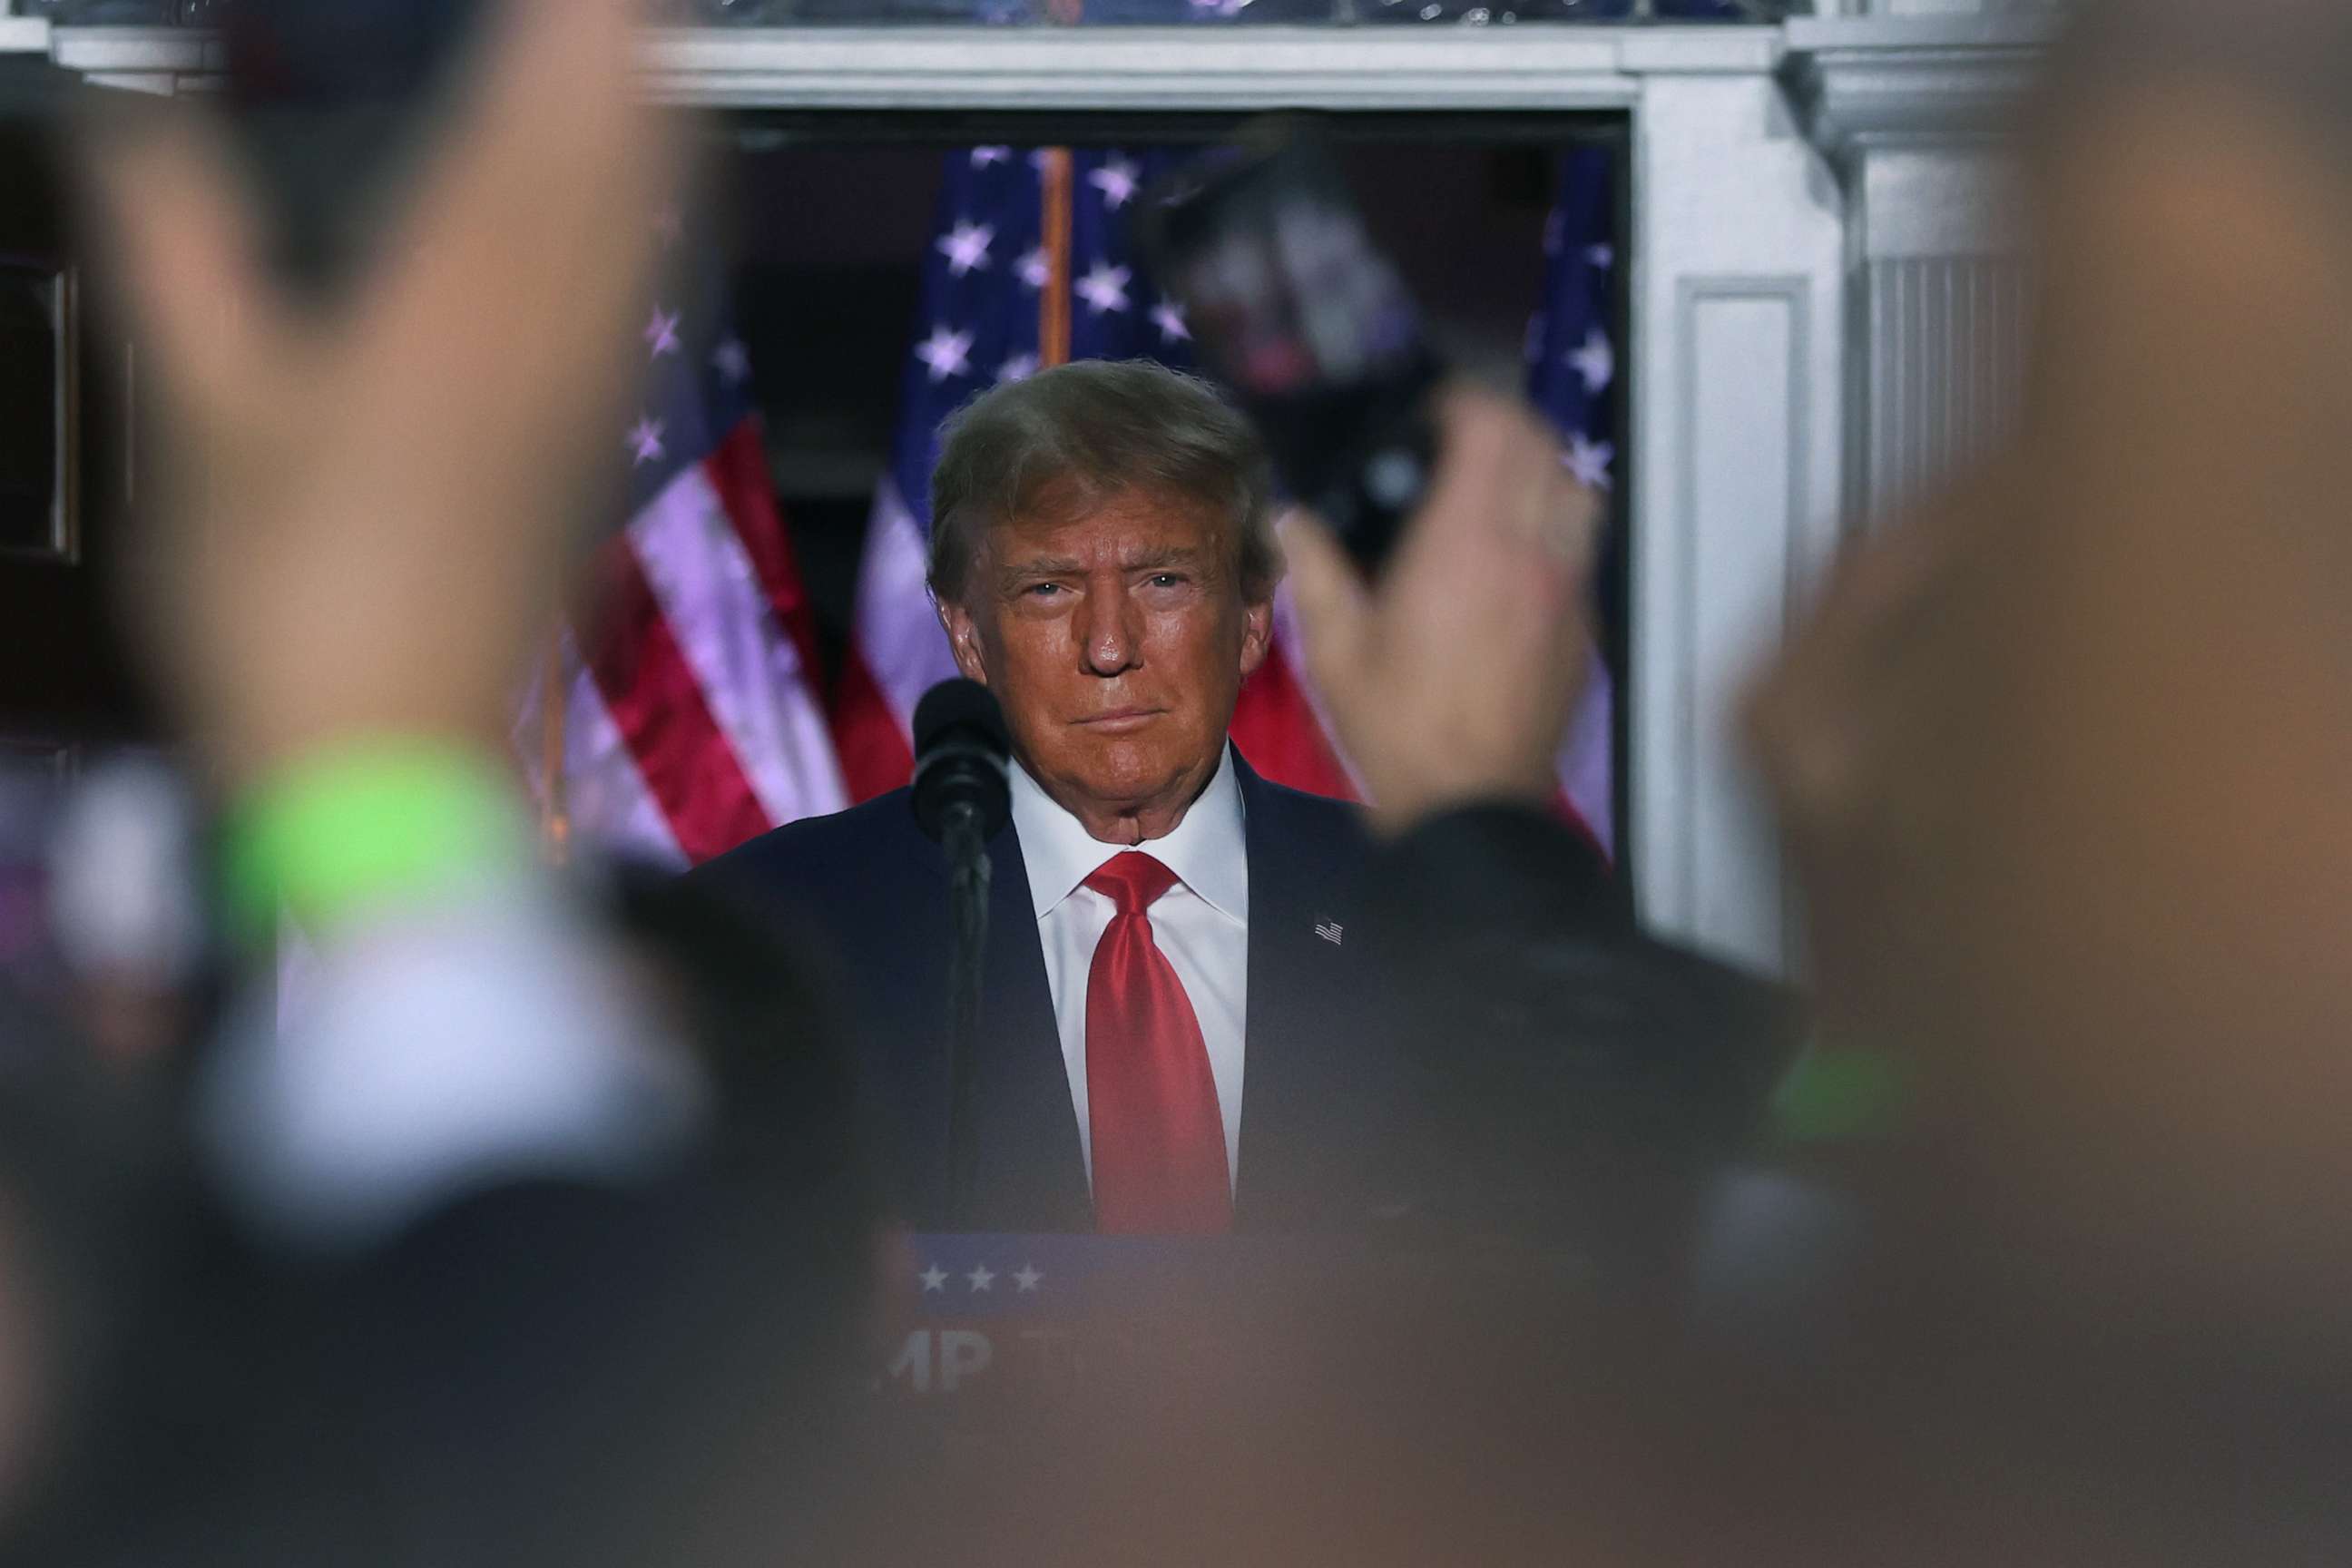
1117,637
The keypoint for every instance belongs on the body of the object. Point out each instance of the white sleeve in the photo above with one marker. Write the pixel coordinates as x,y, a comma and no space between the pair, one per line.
436,1051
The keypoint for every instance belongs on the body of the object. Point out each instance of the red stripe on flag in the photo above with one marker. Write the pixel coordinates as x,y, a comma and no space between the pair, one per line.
874,755
1565,809
650,690
738,471
1278,730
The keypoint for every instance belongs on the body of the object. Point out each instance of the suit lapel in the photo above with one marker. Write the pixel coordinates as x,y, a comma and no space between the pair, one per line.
1297,1041
1032,1170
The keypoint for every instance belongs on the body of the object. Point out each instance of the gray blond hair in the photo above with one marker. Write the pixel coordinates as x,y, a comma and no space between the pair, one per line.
1069,438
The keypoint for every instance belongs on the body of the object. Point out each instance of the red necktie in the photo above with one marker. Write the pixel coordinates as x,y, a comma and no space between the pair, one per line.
1151,1104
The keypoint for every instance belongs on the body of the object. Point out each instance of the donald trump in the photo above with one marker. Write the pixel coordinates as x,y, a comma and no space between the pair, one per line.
1164,1046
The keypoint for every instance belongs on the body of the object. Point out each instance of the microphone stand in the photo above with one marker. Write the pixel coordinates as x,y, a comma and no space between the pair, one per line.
968,876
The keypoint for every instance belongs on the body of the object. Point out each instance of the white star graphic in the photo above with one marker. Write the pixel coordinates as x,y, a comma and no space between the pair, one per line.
980,1278
1104,288
1020,367
1026,1275
966,245
661,333
1589,460
1116,180
1169,317
1601,256
947,352
732,360
982,157
934,1278
1595,361
645,440
1034,269
1220,8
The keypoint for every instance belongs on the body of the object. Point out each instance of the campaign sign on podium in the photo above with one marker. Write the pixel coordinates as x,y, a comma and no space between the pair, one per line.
1023,1317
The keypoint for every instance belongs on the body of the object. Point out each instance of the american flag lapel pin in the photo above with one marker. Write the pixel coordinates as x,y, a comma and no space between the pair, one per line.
1331,932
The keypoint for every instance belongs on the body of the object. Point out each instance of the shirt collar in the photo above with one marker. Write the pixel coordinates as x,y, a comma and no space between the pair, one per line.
1207,850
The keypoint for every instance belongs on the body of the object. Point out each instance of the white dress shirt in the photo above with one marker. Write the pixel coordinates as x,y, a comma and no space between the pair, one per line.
1201,924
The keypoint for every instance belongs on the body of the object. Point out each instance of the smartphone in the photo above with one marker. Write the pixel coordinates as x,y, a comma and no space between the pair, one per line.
1295,309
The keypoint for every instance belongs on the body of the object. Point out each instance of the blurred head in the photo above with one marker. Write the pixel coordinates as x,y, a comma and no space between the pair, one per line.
1103,561
2067,755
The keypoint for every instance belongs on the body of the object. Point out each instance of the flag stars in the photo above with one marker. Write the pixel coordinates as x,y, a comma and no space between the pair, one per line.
645,441
1104,288
1020,367
1603,256
982,1277
1035,270
1027,1277
1594,362
661,333
982,157
1117,180
966,245
1589,460
945,353
934,1278
1169,317
732,360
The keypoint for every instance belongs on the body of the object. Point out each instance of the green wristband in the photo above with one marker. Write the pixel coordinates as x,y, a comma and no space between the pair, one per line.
1840,1097
364,824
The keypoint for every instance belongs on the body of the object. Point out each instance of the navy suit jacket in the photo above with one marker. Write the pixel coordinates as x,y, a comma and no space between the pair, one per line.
873,889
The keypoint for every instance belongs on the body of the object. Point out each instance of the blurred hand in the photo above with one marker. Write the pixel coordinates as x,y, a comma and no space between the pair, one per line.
367,506
1452,680
2067,766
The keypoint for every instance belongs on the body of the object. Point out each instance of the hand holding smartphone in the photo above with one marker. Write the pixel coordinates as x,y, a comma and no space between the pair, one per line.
1298,313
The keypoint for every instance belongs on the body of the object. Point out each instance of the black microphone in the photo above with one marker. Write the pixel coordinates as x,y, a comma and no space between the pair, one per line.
961,749
962,799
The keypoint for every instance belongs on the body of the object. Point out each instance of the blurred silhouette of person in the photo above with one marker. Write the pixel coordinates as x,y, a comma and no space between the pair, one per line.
502,1244
2063,757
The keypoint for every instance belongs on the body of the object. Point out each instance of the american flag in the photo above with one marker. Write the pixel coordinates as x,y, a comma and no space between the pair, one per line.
685,718
1572,377
1028,240
1032,262
692,718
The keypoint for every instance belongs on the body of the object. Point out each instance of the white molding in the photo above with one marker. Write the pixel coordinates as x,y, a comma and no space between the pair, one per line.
1201,68
1737,378
1060,68
177,55
24,35
1729,896
1865,82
